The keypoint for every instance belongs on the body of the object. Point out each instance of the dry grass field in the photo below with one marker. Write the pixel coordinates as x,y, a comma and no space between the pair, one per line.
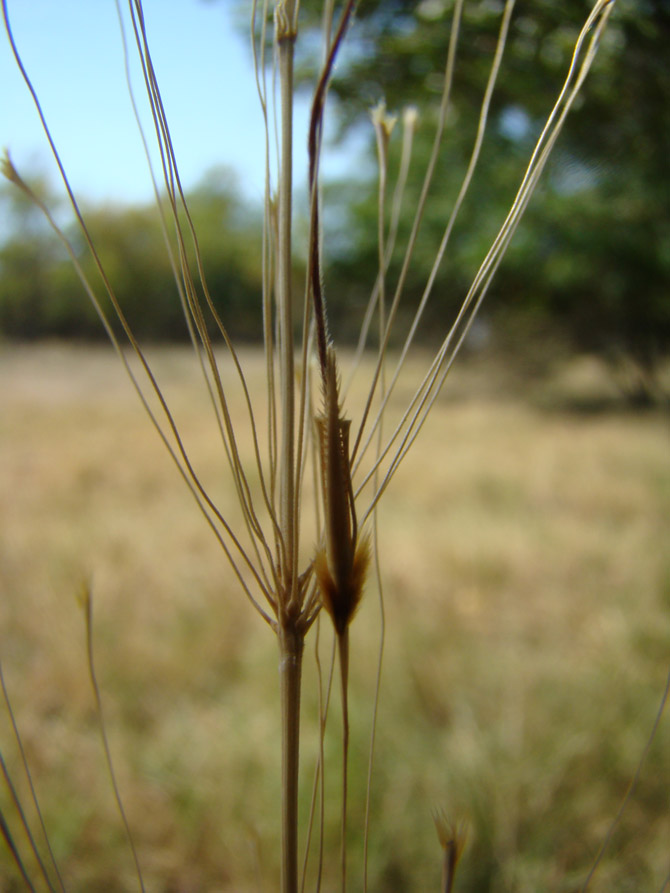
527,585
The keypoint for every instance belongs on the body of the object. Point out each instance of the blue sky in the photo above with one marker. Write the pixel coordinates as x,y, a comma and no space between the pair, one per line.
73,53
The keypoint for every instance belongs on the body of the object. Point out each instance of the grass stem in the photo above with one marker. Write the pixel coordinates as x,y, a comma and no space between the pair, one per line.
285,35
343,649
87,605
291,643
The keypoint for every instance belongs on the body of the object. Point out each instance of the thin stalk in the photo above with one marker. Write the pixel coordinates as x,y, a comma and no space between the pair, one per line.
631,788
87,604
448,872
179,456
6,834
26,828
26,769
418,216
383,126
318,790
286,34
291,642
421,403
290,632
343,649
375,707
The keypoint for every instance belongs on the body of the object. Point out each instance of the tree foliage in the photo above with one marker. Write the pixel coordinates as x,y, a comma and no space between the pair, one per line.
591,261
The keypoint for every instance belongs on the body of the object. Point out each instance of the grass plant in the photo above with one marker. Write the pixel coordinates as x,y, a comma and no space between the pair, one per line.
298,520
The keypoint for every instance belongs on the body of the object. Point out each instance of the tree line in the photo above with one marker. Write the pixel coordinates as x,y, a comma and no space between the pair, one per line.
41,295
590,264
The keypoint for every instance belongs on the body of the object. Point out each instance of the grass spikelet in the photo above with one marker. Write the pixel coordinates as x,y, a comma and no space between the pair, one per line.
452,836
340,565
10,173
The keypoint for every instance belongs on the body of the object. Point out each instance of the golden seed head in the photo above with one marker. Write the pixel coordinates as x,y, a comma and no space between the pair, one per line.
9,171
382,119
452,835
342,598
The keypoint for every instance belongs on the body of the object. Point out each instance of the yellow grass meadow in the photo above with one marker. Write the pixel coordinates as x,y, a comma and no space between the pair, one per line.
526,566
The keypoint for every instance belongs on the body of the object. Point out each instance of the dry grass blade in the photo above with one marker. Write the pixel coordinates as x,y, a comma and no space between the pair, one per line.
33,793
376,698
264,573
384,125
418,215
199,335
11,846
195,312
87,606
6,833
409,122
177,450
361,448
458,203
632,785
285,35
269,244
420,405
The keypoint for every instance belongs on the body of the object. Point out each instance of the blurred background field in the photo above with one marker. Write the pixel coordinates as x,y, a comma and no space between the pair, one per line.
527,581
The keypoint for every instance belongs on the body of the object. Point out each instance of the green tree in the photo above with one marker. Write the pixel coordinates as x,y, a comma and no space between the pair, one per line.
38,287
591,261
